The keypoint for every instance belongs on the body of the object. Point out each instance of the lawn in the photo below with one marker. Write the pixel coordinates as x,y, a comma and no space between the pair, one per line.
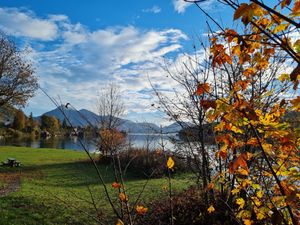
54,187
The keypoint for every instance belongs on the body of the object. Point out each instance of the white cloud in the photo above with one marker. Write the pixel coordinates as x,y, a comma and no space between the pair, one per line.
24,24
155,9
180,5
79,62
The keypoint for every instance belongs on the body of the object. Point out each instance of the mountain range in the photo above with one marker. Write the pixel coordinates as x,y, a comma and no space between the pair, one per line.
85,117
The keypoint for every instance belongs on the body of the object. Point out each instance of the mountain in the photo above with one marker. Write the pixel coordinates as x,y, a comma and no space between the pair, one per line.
79,118
175,127
138,128
85,117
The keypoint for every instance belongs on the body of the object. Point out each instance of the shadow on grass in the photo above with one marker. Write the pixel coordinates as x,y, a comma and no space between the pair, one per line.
23,210
71,174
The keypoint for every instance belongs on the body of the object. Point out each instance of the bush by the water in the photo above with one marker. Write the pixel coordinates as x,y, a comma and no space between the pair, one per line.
145,163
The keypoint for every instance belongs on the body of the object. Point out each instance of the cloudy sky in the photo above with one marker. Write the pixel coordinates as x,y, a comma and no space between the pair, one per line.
78,47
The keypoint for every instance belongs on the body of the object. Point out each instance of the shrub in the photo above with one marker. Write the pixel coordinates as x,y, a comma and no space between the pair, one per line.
144,162
188,209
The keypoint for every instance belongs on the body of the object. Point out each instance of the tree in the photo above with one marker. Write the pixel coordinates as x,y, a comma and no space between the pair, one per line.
64,124
19,120
17,80
110,107
50,123
259,150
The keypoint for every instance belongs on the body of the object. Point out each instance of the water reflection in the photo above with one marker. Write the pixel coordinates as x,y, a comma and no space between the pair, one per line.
136,140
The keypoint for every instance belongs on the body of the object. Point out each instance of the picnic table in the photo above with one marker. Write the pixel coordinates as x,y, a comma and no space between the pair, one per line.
11,162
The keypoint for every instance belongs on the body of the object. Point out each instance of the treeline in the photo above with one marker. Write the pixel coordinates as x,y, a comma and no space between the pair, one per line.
20,125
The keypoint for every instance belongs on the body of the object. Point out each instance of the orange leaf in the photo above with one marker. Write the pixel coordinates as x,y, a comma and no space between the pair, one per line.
222,153
119,222
116,185
141,210
294,76
123,197
211,209
240,161
249,71
252,141
210,186
243,84
296,7
202,88
231,34
243,9
285,3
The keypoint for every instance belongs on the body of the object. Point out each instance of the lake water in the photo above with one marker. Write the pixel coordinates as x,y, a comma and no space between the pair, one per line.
73,143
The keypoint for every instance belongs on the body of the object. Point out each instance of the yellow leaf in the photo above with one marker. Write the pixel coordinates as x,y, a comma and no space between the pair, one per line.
256,201
119,222
260,194
280,27
296,103
211,209
236,130
240,202
256,9
256,186
170,163
284,77
260,216
247,221
296,45
243,171
235,191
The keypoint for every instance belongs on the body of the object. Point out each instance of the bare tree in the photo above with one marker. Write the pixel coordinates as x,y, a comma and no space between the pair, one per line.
110,107
17,80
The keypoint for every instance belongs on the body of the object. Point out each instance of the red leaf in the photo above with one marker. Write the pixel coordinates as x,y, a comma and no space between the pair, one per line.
206,104
202,88
240,161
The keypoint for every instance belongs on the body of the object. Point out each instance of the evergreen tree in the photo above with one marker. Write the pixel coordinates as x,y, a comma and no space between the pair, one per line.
19,120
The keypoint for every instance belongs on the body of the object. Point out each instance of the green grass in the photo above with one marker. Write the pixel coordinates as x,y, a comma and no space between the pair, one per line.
54,187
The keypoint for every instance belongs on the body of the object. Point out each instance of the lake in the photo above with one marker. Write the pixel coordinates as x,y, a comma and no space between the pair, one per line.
153,141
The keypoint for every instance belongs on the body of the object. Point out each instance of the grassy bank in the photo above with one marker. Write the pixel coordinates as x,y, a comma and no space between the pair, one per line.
54,187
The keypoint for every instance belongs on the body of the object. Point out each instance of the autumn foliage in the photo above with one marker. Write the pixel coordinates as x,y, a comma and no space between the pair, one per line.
259,149
110,140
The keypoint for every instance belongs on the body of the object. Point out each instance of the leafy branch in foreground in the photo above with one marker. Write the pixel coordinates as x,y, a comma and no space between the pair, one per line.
259,146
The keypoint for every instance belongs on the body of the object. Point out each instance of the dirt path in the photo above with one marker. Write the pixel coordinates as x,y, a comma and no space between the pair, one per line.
12,185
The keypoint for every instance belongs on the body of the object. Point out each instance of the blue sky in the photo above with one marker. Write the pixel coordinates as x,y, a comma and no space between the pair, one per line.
78,47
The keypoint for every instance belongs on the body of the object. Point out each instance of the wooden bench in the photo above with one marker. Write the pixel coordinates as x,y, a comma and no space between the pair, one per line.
11,162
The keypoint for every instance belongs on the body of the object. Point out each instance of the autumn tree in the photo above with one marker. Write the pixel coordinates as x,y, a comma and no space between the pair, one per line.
17,80
50,124
110,108
259,149
19,120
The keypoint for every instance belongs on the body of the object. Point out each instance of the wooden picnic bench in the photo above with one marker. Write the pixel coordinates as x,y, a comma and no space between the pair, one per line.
11,162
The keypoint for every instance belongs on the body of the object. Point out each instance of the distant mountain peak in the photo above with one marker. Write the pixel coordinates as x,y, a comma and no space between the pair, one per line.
84,117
